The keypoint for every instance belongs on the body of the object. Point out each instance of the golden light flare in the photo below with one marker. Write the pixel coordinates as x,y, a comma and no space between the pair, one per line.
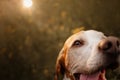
27,3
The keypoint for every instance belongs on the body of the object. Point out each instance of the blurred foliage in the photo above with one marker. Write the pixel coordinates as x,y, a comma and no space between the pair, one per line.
30,39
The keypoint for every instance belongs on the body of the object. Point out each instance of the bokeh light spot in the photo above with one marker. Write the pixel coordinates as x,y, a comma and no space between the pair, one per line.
27,3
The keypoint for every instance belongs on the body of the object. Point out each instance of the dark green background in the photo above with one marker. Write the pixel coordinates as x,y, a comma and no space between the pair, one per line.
30,39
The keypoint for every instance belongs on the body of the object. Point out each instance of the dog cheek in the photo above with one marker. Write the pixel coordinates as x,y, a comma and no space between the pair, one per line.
70,59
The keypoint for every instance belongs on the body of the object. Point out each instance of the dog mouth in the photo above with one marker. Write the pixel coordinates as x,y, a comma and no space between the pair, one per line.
100,75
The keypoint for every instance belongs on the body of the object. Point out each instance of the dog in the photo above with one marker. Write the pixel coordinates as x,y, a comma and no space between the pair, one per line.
87,55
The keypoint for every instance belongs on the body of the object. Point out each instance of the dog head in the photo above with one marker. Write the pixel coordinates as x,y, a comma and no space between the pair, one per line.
88,54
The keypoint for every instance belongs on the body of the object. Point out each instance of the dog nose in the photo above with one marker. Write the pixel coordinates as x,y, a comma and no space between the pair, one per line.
110,45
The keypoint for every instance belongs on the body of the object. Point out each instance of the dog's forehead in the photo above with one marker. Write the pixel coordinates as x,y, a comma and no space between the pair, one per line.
92,34
89,35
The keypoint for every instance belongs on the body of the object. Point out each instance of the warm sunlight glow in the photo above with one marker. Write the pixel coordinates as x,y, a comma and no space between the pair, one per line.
27,3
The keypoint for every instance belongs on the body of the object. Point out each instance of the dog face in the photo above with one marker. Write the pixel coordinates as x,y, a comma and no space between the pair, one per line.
83,54
88,54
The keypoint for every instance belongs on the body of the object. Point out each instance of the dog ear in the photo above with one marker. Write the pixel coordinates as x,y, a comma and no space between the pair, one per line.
60,64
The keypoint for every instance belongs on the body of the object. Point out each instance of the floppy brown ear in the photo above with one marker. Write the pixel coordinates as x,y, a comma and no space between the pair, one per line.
60,64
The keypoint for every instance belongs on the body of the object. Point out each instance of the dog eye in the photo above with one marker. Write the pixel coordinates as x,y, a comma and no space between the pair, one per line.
78,43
